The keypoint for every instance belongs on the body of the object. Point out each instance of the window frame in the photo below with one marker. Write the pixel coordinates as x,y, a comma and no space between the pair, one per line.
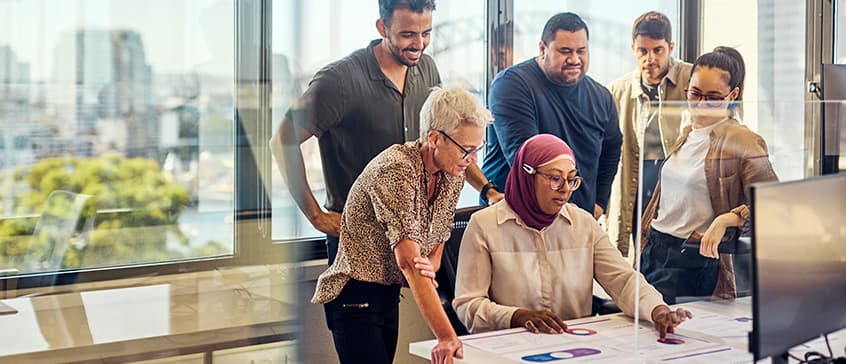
252,244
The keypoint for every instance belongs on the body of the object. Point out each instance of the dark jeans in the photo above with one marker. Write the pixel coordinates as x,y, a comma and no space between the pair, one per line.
331,248
676,273
651,168
364,320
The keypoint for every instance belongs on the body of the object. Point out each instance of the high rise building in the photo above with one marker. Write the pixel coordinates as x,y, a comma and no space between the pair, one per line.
102,76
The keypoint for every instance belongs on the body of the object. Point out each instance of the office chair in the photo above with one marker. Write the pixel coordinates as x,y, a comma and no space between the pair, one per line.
60,216
449,265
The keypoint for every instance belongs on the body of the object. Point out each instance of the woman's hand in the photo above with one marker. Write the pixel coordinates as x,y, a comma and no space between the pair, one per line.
666,320
446,349
710,242
538,321
424,265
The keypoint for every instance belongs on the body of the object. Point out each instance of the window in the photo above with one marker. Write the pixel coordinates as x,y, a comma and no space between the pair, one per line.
771,37
609,24
308,35
839,30
129,102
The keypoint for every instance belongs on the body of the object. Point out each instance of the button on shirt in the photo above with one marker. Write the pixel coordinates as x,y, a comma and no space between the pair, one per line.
504,265
388,203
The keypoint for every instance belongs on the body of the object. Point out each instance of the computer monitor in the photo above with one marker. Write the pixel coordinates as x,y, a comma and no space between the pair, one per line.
799,262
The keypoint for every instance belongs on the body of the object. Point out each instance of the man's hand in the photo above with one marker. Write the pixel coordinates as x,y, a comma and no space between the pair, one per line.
446,350
328,222
494,196
538,321
666,320
597,211
424,265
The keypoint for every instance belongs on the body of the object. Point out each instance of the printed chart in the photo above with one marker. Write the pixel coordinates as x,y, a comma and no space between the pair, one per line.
599,339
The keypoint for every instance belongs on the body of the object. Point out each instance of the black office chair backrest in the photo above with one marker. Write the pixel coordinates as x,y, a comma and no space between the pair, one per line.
449,265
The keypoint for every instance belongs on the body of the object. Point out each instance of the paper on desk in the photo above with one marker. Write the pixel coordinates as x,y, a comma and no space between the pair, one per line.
609,339
836,339
723,355
727,328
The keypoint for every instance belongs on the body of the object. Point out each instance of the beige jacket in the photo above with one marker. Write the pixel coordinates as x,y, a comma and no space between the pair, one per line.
635,111
504,265
736,158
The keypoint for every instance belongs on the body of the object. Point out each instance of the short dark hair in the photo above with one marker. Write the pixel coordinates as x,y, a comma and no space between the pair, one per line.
727,59
654,25
563,21
387,7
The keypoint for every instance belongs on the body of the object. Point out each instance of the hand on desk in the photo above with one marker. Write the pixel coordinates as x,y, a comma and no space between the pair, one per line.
537,321
666,320
424,265
446,349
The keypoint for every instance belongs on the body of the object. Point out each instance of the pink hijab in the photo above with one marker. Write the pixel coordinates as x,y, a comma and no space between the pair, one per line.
520,185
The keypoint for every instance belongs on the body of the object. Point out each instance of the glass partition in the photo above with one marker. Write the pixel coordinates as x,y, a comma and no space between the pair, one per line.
341,27
722,150
130,104
609,24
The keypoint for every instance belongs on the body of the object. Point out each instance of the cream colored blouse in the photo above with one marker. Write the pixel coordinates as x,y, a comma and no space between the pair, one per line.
504,265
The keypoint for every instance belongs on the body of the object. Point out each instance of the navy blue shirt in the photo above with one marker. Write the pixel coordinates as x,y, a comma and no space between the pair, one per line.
525,103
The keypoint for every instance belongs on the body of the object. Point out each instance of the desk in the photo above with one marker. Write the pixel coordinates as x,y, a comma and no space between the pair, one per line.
164,316
716,334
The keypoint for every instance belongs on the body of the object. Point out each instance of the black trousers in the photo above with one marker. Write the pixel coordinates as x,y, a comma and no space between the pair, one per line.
676,273
364,320
331,248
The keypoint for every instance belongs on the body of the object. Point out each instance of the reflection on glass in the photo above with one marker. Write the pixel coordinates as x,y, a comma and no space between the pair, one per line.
25,337
609,24
107,319
839,30
130,103
457,45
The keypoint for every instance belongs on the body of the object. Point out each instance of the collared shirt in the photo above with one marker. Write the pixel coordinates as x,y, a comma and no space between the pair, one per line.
388,203
636,114
525,103
504,265
356,112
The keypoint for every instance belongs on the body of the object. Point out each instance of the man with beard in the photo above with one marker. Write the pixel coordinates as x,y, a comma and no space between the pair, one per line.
552,94
640,97
357,107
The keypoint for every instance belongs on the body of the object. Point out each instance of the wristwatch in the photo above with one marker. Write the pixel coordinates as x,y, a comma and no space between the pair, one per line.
483,193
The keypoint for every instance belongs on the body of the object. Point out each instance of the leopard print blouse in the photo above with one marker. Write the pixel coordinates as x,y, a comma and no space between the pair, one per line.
386,204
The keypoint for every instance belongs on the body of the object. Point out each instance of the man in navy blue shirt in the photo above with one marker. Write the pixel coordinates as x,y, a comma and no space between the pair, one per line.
552,94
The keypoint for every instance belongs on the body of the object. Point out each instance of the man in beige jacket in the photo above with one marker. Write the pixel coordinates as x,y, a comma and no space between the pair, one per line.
642,98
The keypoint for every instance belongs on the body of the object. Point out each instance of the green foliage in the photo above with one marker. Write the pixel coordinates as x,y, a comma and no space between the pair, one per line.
147,209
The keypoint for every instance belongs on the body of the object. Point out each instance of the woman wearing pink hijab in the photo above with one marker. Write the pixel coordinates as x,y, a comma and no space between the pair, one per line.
530,261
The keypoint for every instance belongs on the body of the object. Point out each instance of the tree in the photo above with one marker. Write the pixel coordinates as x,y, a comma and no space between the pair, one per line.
139,208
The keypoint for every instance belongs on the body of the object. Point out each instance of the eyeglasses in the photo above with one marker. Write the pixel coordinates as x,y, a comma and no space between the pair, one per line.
556,183
467,152
698,96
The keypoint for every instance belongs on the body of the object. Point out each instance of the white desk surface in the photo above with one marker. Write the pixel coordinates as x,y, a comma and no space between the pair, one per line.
169,315
720,336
